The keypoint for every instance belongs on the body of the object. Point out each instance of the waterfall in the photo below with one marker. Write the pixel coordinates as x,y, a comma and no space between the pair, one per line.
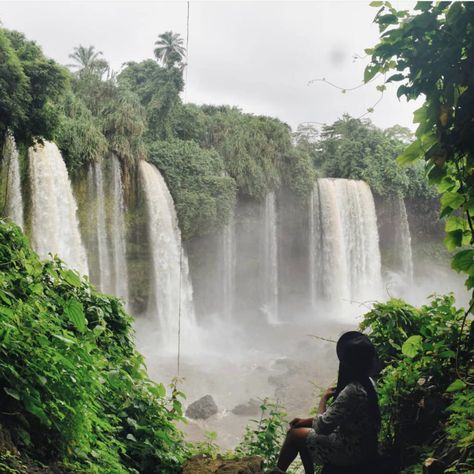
270,259
315,250
104,264
403,243
345,257
228,268
171,291
117,237
14,200
54,224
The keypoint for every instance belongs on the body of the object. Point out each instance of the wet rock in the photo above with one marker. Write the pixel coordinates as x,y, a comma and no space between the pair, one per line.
251,408
202,409
204,465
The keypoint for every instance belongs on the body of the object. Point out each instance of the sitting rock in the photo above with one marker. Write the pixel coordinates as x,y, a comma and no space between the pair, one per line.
204,465
251,408
202,409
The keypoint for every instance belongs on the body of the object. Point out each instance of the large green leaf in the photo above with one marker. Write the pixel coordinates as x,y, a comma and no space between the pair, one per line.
13,393
411,153
75,313
72,278
452,200
453,239
412,346
457,385
463,261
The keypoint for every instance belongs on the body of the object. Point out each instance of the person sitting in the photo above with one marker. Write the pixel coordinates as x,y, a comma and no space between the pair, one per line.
345,434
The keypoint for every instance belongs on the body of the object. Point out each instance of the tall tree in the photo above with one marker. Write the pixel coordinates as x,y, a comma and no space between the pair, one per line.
88,61
170,49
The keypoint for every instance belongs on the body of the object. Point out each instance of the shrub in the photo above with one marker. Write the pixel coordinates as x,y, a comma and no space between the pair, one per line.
73,387
424,389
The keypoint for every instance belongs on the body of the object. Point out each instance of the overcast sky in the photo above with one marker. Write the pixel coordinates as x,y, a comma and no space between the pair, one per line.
258,56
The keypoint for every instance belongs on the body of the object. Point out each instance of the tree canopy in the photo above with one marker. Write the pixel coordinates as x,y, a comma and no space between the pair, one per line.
355,148
30,83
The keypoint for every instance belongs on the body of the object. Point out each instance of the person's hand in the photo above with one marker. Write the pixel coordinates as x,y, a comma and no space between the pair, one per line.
294,422
329,392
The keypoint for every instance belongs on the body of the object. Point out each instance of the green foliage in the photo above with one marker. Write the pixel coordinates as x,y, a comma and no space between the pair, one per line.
265,437
431,53
29,85
204,196
426,409
356,149
73,388
170,49
79,136
299,174
253,148
88,62
208,447
158,90
123,124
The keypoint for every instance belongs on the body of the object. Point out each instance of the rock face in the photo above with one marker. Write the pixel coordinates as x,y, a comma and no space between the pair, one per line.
251,408
202,409
204,465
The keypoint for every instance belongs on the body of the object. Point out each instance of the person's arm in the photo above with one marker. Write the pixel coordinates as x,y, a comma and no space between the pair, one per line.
308,422
324,399
301,423
327,421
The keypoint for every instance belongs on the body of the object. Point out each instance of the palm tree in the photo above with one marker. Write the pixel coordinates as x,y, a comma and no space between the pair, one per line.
170,49
88,61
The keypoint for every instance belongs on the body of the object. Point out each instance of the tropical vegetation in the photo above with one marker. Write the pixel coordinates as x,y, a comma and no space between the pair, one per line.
74,389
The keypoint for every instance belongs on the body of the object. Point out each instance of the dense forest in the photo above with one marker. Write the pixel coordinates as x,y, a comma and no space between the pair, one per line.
75,393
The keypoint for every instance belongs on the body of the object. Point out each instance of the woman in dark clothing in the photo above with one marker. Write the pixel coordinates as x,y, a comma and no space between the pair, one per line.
345,434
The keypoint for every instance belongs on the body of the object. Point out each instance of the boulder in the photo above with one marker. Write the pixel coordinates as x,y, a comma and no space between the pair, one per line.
204,465
202,409
251,408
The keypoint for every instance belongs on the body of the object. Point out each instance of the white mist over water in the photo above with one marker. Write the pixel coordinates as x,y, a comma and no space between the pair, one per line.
345,263
54,224
270,259
170,298
14,202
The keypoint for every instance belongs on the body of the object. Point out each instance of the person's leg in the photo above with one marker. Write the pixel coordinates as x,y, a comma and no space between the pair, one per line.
295,443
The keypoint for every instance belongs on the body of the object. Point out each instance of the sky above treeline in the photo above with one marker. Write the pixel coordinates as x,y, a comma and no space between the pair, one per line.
257,55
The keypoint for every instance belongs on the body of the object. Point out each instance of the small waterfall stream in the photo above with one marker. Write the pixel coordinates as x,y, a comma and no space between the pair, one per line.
404,243
345,258
227,273
315,250
14,200
54,224
117,232
104,270
171,291
270,259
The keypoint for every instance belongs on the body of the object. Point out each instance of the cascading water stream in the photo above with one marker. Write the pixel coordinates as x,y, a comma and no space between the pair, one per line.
404,243
104,270
170,299
117,237
345,257
270,259
315,250
14,200
54,224
228,269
